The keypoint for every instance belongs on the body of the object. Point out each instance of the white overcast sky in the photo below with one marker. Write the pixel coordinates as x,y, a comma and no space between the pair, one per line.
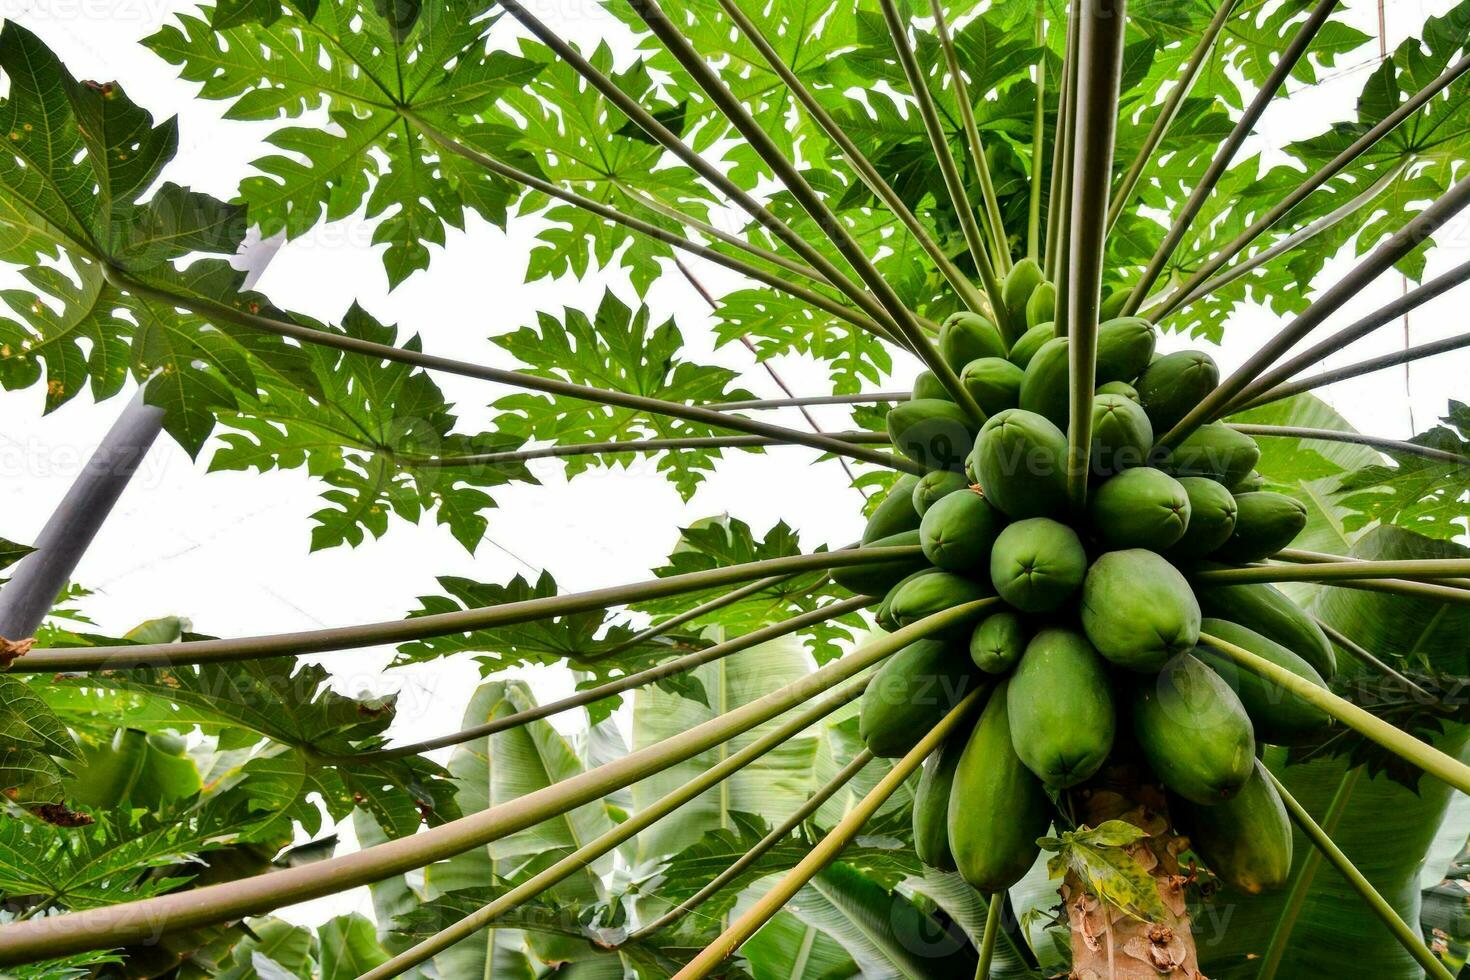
229,550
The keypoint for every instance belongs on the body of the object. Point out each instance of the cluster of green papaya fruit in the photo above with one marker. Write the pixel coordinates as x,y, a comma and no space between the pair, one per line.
1091,651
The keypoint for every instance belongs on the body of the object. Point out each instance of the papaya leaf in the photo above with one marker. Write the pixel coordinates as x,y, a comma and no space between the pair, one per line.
11,552
35,747
1100,857
1423,495
348,947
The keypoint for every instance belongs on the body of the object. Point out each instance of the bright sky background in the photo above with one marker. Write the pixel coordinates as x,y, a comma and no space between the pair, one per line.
229,550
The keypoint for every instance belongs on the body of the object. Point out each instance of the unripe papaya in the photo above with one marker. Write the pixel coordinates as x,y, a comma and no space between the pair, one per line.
929,594
931,803
1279,716
1140,508
1246,840
895,513
997,807
1137,609
957,531
998,642
1020,283
1060,704
1249,483
1211,517
1214,450
876,578
934,485
934,433
1124,347
1265,522
1174,384
910,693
926,385
1120,388
1044,387
994,382
1025,348
1121,434
1193,731
1037,564
1112,304
1271,613
965,337
1042,306
883,612
1020,461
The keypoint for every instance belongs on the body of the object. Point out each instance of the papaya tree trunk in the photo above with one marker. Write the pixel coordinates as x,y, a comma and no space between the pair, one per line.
1108,943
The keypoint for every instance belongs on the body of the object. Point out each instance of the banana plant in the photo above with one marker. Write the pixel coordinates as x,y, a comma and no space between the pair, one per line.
1138,669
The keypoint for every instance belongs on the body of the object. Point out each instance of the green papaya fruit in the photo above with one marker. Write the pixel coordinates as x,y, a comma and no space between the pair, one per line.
934,433
1124,347
1042,306
1112,304
1245,840
883,612
928,594
926,385
997,807
934,485
1279,717
1037,564
1174,384
1214,450
994,382
1270,612
876,578
1044,386
998,642
1020,461
1137,609
1249,483
1030,342
895,512
931,803
1140,508
965,337
1121,434
1193,731
1120,388
1265,522
1211,517
1060,704
958,530
1016,291
910,693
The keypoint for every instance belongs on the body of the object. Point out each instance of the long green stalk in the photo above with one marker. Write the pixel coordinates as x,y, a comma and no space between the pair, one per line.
1038,143
614,446
214,311
880,308
1405,746
1326,172
671,668
1061,160
1168,112
438,624
1191,208
828,848
1323,557
1411,941
1357,438
131,922
939,145
1400,243
993,912
860,164
1366,656
703,609
604,843
1401,587
805,195
1410,568
1301,882
1406,356
1000,244
1355,331
858,399
1099,69
778,833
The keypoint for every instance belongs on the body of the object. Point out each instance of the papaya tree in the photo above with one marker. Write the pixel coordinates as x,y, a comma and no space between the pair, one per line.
1140,667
